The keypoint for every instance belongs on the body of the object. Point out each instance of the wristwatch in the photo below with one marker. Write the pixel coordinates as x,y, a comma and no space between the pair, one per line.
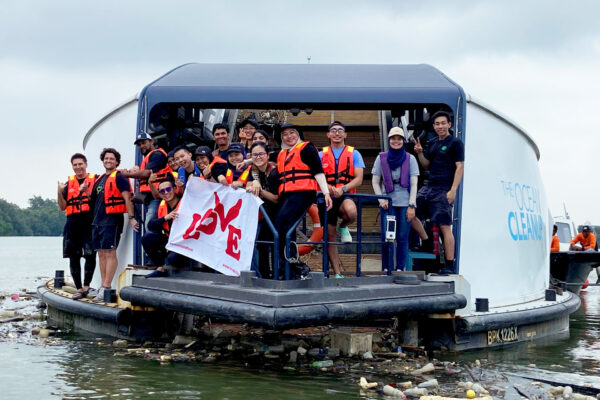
131,217
344,189
412,205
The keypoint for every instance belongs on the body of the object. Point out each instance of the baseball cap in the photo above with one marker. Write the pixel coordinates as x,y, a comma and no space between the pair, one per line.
586,228
396,131
237,147
250,121
142,136
334,123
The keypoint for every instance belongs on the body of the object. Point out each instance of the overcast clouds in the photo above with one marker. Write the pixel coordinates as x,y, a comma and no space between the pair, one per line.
65,63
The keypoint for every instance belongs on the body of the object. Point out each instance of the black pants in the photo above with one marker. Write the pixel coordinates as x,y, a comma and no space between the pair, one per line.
154,245
89,267
77,243
293,206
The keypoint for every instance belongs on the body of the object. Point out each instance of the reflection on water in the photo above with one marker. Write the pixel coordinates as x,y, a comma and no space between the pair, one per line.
82,370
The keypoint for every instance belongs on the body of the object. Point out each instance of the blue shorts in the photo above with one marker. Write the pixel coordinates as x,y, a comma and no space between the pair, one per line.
432,204
106,237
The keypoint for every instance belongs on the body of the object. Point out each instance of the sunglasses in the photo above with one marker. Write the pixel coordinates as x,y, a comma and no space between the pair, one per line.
165,190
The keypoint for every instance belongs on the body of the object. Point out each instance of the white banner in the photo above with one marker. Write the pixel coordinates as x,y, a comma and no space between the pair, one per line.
216,226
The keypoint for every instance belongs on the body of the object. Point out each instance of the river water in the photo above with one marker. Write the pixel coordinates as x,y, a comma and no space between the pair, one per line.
78,368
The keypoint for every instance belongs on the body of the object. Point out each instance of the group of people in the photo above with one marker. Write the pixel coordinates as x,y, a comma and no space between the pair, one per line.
287,181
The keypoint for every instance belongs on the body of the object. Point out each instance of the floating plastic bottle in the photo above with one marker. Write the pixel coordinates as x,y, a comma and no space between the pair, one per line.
322,364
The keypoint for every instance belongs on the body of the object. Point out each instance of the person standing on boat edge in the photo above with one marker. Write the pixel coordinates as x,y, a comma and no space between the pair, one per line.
155,161
555,245
343,167
397,173
73,198
300,176
445,159
111,198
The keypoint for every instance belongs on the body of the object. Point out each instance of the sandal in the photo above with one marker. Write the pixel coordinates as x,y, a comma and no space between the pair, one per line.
80,295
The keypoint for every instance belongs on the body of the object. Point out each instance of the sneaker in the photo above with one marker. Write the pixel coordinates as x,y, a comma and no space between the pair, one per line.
92,292
344,233
338,276
99,297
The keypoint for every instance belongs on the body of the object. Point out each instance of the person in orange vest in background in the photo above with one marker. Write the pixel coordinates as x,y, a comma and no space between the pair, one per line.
156,239
155,161
588,243
586,238
111,198
74,199
343,167
555,245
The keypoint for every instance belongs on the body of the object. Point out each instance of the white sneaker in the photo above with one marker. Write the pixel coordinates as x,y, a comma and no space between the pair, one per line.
344,233
99,297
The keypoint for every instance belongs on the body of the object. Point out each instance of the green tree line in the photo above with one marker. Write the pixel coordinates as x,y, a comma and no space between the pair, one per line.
41,218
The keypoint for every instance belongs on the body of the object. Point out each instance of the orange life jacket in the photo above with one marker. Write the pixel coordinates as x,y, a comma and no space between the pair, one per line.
161,175
340,173
163,210
242,178
216,160
114,202
78,202
294,174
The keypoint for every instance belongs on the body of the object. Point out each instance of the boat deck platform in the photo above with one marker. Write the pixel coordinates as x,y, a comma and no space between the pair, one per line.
285,304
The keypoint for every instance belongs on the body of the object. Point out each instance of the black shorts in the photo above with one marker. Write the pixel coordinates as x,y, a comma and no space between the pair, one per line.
106,237
77,239
432,204
334,213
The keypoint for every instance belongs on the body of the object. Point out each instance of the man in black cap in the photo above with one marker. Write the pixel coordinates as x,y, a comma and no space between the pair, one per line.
155,161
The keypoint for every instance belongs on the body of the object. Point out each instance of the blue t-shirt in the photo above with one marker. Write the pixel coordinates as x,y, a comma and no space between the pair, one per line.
400,195
183,175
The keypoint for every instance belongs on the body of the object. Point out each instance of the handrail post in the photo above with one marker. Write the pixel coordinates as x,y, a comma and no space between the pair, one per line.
325,243
359,237
275,241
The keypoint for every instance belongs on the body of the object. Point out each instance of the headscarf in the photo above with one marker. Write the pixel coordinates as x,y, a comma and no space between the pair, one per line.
396,156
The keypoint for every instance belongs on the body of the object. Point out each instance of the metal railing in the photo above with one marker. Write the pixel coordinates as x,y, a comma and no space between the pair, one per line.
387,246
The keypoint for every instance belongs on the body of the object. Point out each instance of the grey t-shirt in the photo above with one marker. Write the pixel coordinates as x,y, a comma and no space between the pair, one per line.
400,194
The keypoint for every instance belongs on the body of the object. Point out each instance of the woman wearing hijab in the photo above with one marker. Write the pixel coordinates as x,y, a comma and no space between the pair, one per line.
395,173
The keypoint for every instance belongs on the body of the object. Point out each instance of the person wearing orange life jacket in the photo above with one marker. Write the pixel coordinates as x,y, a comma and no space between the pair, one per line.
235,178
213,168
555,245
343,166
155,161
300,176
73,198
111,198
155,241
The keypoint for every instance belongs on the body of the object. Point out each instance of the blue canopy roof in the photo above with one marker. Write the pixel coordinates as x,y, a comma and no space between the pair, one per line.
303,84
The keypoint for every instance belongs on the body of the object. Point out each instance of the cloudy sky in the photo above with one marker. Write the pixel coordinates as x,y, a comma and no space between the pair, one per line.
65,63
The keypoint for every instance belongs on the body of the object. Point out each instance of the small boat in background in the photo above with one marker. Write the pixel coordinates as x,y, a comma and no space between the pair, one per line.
570,269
